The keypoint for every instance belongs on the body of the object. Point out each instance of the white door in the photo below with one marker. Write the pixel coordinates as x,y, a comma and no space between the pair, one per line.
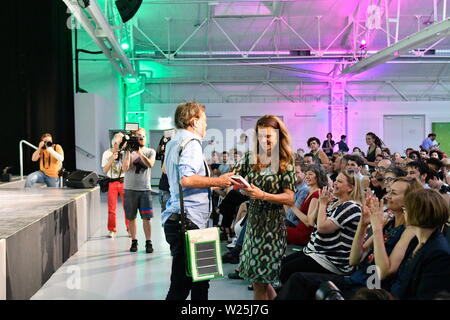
403,131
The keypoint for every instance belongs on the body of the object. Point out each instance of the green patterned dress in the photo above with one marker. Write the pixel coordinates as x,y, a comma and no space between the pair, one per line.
265,238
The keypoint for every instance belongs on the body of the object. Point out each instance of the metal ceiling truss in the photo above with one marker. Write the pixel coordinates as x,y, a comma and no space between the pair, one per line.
332,93
435,33
360,29
99,29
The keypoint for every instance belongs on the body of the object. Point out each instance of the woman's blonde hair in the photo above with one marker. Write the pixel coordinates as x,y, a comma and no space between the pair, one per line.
357,193
286,157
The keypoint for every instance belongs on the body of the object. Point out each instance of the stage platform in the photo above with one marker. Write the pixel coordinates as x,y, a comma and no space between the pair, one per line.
40,228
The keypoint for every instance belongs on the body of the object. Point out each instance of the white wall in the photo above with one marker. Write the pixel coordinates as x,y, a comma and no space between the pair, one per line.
93,119
302,120
362,117
368,116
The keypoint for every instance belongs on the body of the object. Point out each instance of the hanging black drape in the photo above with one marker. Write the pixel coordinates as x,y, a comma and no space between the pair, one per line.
37,91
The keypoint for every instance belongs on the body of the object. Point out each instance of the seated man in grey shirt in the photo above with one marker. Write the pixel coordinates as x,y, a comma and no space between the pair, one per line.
137,189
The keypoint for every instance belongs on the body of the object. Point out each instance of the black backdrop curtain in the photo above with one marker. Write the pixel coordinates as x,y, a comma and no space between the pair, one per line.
37,91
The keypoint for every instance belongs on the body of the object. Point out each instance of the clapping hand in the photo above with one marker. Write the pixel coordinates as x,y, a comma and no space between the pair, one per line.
325,195
376,212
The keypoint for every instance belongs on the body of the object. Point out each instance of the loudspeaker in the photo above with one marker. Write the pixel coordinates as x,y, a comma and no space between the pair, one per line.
128,8
82,179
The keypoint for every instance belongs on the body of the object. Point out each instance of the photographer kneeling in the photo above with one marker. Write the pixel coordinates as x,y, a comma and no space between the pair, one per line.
51,157
137,189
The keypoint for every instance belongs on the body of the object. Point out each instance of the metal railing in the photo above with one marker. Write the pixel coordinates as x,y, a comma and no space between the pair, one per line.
21,154
84,152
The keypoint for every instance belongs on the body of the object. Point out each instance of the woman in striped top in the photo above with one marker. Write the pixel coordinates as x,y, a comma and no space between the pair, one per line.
328,251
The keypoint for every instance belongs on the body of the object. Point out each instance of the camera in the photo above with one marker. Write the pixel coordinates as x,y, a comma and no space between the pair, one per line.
132,143
329,291
160,151
47,144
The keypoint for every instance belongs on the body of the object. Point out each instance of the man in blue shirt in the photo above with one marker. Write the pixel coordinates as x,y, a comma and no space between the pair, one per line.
429,142
191,171
301,192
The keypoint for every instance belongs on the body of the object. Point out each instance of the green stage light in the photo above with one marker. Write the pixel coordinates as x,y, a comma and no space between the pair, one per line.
125,46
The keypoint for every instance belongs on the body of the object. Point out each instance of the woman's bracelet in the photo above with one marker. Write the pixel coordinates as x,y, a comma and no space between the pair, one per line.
264,196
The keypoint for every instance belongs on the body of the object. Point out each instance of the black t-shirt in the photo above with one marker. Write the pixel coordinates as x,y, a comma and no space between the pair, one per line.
164,183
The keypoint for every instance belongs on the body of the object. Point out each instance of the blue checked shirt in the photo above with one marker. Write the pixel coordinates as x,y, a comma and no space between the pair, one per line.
196,201
300,195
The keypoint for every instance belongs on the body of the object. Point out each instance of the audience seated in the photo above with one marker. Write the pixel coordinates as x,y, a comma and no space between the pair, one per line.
306,212
365,253
347,237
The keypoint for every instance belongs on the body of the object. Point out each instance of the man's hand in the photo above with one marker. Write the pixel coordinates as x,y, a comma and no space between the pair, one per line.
225,181
41,145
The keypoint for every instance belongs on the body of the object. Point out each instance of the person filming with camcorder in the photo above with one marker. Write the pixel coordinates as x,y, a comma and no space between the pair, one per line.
51,156
137,164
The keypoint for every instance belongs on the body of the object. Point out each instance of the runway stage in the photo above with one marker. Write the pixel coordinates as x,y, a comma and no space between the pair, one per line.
40,228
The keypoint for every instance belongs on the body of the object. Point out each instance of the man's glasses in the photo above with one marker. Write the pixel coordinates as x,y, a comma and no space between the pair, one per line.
388,180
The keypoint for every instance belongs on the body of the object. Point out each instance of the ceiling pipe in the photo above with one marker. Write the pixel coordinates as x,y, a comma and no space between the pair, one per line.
100,33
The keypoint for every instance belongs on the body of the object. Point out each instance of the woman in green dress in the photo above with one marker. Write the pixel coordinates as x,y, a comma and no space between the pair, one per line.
269,168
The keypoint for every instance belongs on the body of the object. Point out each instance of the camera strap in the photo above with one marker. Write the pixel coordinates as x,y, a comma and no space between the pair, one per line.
183,216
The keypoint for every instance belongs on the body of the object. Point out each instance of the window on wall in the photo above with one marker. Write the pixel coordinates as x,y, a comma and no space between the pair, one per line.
403,131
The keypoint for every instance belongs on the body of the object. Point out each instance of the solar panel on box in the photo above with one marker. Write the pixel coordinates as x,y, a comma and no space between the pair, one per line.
204,254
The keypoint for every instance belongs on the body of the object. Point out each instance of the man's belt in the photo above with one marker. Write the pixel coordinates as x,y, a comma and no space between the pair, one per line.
190,224
117,179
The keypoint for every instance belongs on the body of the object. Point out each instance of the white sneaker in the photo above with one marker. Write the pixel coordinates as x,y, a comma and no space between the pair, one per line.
112,234
232,244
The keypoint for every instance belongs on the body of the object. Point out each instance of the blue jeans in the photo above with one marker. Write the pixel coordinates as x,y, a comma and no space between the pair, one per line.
164,196
40,177
240,239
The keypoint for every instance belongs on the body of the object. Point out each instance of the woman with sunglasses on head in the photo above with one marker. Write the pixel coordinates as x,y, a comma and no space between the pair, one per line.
328,250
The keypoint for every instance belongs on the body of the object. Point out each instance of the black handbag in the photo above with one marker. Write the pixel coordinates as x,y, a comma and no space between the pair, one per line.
103,182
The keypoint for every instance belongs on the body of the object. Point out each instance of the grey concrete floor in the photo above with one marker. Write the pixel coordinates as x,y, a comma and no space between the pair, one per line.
103,268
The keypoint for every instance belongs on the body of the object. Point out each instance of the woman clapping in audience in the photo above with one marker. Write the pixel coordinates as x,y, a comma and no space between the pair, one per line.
316,178
331,241
425,269
303,285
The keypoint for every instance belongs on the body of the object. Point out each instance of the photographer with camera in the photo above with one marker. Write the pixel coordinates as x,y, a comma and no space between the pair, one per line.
51,157
137,188
112,167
